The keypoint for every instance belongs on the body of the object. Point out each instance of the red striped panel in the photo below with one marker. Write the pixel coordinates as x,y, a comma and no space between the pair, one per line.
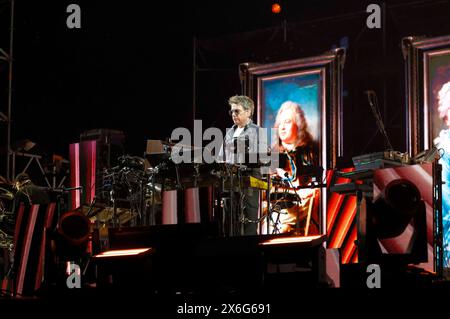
334,204
344,223
74,155
18,223
348,249
28,236
47,225
49,215
341,212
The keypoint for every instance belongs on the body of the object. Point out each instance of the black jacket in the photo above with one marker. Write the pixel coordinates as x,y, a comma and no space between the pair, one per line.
29,195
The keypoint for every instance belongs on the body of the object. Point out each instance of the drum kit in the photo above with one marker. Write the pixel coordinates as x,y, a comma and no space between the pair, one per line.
131,193
288,213
124,194
6,219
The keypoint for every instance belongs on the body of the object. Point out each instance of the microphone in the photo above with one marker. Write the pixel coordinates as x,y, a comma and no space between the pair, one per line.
73,188
62,190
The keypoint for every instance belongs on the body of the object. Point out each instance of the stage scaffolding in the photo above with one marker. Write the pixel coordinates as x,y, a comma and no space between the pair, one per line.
8,58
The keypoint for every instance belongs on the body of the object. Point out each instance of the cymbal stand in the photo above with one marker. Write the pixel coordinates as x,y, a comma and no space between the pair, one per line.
297,222
228,219
143,211
113,200
196,175
152,220
275,208
270,221
179,185
269,208
153,172
221,209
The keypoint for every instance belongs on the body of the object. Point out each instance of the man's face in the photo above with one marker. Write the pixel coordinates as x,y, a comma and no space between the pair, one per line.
287,129
239,115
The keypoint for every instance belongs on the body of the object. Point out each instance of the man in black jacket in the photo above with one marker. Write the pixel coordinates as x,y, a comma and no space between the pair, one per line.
241,141
28,193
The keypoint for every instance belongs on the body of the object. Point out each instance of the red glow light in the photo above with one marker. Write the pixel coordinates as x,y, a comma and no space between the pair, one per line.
122,252
276,8
290,240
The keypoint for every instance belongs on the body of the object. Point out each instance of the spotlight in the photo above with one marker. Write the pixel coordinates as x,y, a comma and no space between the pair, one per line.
396,224
398,206
72,235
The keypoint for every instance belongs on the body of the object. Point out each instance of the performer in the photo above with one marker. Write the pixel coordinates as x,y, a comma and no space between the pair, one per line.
6,216
242,141
442,142
6,228
299,163
28,193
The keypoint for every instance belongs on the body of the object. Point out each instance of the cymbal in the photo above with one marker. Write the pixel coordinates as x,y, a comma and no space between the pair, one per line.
106,215
6,194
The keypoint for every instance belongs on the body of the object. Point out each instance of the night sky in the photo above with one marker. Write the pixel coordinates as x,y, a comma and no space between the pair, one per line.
130,66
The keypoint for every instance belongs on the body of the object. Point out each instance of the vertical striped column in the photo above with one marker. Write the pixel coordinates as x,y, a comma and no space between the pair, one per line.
74,156
192,205
169,207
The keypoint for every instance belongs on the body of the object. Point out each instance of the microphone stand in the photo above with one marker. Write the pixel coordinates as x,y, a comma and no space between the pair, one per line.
242,218
269,209
379,121
156,170
232,219
152,217
91,206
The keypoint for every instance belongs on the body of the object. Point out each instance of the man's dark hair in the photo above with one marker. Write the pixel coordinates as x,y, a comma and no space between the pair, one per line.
22,177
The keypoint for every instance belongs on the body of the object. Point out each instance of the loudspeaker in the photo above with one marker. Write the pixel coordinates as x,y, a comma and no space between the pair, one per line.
400,217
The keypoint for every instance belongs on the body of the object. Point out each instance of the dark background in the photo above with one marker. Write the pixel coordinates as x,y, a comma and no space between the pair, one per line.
130,66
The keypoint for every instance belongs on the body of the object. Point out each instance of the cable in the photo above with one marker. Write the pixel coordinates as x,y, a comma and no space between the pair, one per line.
376,112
